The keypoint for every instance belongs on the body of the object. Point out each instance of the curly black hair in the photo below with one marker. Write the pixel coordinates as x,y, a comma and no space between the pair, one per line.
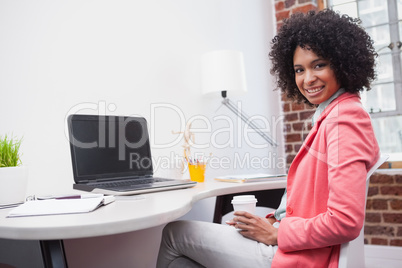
337,38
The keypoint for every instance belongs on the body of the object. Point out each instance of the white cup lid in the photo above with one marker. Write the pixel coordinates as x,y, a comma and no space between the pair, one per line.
243,199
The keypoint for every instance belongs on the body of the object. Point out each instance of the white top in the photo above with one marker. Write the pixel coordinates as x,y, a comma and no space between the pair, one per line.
123,215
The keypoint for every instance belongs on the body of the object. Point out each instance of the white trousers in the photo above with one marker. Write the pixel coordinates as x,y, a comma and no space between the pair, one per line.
204,244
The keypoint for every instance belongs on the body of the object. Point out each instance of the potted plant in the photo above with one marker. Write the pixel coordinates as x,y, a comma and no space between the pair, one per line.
13,176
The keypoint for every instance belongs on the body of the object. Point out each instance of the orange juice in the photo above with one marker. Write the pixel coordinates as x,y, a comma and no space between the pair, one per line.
197,171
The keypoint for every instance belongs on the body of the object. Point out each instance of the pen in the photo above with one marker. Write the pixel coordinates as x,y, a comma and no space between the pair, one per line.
80,196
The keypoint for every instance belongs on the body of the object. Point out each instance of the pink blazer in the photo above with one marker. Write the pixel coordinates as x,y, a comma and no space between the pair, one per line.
326,187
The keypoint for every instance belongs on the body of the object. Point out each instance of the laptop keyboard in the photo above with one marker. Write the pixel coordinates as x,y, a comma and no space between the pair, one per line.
124,183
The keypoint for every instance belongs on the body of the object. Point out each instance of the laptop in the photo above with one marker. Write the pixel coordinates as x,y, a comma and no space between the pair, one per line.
112,155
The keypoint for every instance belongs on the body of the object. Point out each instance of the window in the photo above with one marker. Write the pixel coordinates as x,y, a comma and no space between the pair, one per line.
382,19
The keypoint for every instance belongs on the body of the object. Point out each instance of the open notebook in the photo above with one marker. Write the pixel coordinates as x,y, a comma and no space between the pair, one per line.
251,177
55,206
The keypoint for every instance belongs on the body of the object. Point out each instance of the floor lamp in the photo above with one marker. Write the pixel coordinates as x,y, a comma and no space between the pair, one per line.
223,71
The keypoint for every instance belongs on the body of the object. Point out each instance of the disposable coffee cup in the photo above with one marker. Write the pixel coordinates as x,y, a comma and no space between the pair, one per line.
244,203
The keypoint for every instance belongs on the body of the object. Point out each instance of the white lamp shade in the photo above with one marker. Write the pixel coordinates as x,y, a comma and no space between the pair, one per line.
223,70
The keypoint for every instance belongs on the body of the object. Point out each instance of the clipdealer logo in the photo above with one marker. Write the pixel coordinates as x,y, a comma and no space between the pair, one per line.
236,132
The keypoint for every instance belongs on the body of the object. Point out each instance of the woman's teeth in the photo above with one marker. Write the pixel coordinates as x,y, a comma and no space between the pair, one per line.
313,90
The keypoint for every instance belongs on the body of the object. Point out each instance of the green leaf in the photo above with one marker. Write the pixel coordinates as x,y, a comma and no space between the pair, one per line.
10,152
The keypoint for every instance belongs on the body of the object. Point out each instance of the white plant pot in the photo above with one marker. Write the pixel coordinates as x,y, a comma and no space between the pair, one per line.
13,184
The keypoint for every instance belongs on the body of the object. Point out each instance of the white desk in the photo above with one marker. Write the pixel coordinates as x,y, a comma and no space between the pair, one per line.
123,215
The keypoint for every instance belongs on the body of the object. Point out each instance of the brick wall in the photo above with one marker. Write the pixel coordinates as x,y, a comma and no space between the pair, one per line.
284,8
384,205
297,124
383,224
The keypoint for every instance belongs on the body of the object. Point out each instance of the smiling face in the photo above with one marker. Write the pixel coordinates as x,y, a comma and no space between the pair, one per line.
314,76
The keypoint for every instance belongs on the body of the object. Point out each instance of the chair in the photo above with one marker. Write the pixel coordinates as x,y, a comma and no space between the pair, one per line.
352,252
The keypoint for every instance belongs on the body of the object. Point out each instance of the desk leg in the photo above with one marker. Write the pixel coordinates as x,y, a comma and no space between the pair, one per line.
266,198
53,254
219,203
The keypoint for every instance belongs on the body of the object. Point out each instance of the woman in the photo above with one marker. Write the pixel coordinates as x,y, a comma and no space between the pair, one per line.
322,59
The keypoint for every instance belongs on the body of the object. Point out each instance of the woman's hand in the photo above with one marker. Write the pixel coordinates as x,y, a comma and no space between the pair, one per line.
255,227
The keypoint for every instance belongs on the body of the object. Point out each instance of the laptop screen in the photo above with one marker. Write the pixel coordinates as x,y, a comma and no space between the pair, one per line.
109,147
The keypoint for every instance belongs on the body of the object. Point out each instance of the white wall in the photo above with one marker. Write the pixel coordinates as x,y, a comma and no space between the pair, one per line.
124,57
